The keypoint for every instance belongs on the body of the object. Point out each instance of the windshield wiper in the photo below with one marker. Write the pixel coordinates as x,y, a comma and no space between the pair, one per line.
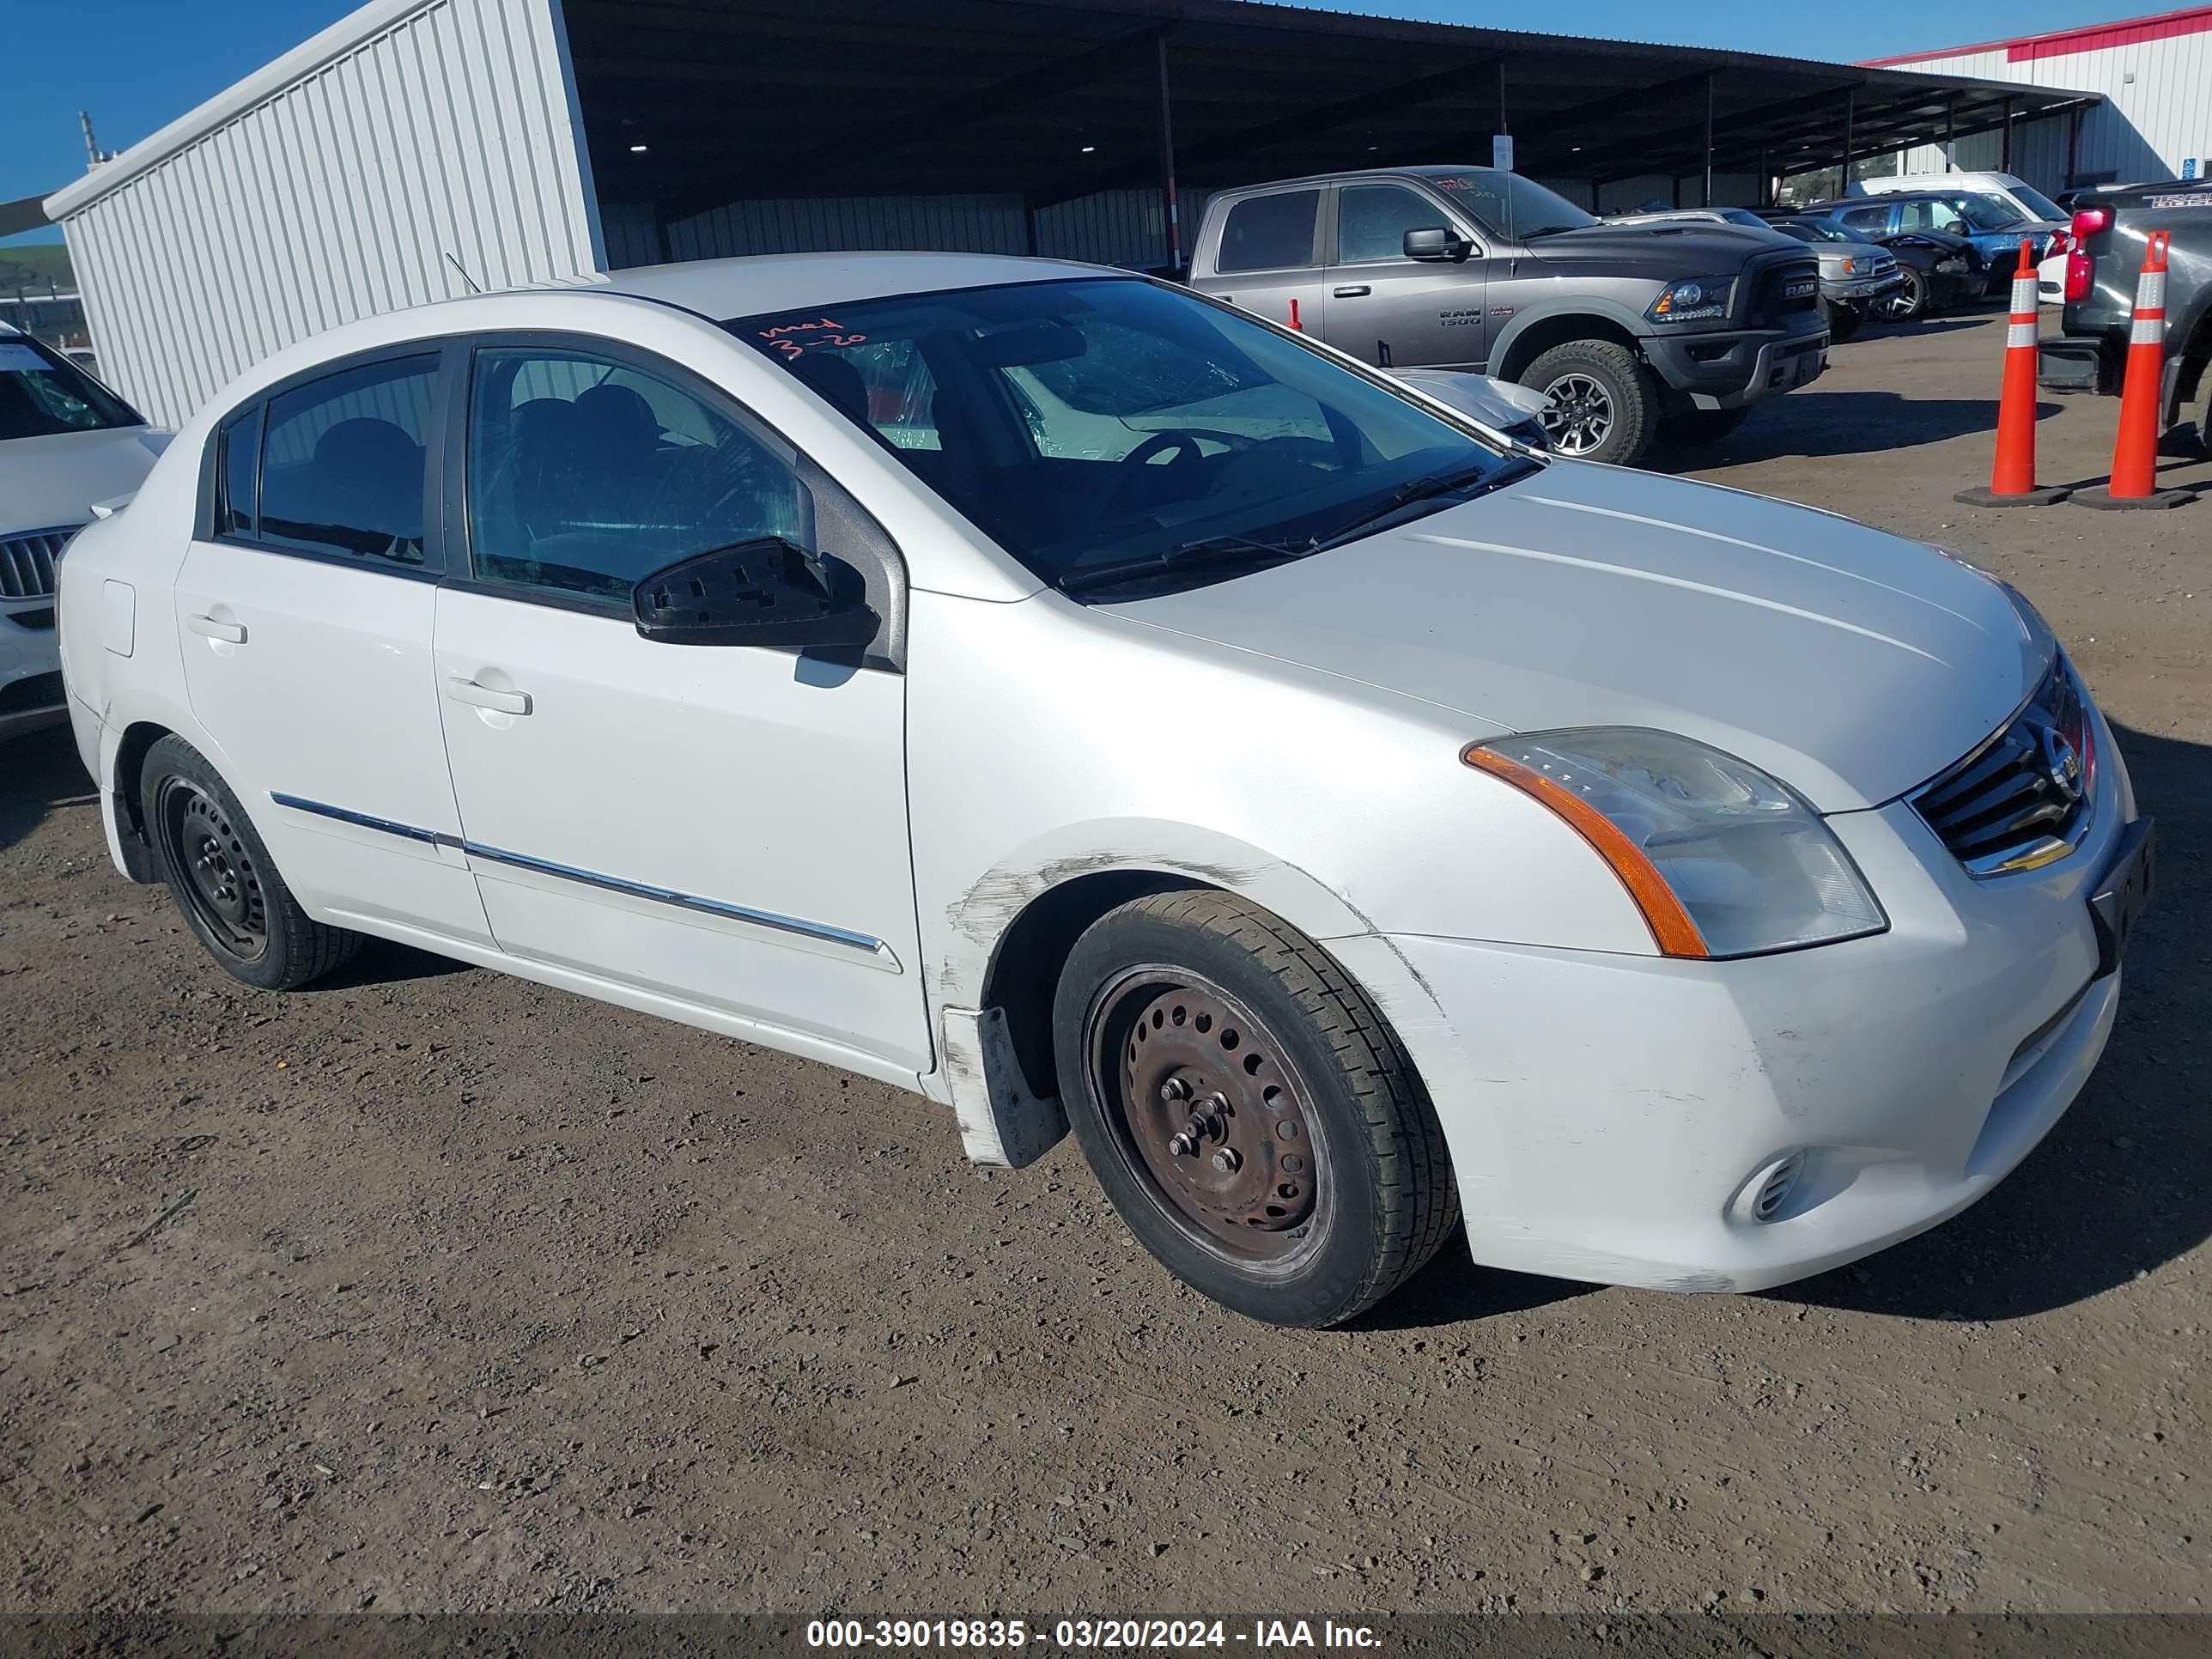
1207,552
1470,481
1548,230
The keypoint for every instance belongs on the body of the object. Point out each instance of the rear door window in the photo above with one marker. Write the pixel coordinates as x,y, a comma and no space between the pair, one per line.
1270,233
343,462
1874,219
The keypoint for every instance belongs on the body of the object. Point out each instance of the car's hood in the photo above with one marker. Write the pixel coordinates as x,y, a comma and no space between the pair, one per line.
1848,663
1831,256
1669,250
50,481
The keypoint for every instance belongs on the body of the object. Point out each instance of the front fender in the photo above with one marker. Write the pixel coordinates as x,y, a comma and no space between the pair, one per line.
1543,311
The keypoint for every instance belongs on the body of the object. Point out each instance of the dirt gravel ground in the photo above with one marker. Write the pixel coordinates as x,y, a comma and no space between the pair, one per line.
429,1290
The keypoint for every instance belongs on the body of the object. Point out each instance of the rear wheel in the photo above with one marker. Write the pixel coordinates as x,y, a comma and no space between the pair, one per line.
223,880
1604,402
1249,1115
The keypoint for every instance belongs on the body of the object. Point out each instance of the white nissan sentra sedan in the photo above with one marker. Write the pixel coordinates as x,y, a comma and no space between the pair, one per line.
1082,703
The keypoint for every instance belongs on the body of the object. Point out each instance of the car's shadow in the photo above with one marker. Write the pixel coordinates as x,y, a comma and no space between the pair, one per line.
1814,422
38,773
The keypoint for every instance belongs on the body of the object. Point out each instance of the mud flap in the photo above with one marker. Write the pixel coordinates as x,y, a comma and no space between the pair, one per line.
1002,1124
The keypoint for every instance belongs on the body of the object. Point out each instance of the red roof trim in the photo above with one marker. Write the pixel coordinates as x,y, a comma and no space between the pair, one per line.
2134,31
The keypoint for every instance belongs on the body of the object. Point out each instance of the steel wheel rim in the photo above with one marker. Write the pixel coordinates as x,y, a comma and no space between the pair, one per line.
1185,1092
1580,415
217,871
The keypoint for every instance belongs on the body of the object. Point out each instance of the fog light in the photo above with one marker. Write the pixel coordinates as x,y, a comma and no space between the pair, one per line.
1766,1193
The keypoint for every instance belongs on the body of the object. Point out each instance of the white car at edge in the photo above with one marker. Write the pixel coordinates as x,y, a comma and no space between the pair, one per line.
1354,825
67,444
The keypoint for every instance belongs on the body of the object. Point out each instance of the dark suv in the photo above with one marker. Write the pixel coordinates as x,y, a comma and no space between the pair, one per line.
1635,332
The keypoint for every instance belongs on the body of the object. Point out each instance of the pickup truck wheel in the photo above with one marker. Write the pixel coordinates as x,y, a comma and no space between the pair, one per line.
1250,1116
223,880
1604,403
1700,426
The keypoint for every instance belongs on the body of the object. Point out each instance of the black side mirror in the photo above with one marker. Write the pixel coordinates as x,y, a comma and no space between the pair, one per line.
1437,244
768,592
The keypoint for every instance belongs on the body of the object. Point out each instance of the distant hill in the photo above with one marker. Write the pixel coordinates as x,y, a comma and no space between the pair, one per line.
36,265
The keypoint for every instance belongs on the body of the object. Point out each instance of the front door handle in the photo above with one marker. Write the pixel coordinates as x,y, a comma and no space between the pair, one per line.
208,628
463,689
1353,292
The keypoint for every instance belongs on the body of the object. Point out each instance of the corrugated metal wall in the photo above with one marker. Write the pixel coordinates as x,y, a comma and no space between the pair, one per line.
449,132
2157,113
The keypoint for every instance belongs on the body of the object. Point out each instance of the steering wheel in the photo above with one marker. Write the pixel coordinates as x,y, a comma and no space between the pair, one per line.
1159,444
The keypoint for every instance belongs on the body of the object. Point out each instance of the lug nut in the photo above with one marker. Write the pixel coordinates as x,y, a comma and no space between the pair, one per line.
1182,1146
1174,1090
1226,1160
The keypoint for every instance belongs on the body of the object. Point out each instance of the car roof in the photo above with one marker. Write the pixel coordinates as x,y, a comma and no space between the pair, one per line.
747,287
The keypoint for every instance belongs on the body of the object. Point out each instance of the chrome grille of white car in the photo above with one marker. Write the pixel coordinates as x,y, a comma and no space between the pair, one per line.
2021,799
27,561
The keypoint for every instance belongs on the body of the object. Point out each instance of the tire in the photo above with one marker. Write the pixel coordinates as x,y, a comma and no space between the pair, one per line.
222,878
2191,438
1844,321
1610,400
1910,303
1342,1189
1700,426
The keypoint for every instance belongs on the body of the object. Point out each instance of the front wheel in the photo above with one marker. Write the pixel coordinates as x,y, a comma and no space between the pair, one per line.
1604,403
1251,1118
1907,304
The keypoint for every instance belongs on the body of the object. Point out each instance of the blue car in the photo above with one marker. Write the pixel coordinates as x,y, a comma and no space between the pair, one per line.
1993,227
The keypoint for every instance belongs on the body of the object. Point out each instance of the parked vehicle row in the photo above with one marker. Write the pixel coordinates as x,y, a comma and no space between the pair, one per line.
1635,334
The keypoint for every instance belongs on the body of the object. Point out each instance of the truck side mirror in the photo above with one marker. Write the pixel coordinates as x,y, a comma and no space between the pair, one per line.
1437,244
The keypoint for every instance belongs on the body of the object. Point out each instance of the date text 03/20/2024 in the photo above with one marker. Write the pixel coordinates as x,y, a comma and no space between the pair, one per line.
1263,1636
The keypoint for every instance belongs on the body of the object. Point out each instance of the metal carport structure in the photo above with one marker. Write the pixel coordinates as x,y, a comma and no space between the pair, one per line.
418,146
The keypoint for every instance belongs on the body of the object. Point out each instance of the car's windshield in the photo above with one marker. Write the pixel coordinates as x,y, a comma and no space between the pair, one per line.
2036,202
1986,212
1511,206
42,392
1092,424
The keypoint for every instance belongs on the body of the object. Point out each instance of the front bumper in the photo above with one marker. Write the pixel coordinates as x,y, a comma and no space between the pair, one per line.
1729,369
1608,1113
1858,291
30,695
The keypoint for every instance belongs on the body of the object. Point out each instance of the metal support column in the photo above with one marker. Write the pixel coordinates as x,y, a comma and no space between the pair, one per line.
2074,147
1851,125
1708,201
1167,164
2007,163
1950,132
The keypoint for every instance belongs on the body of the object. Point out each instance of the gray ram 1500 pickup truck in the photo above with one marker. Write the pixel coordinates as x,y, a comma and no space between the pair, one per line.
1663,332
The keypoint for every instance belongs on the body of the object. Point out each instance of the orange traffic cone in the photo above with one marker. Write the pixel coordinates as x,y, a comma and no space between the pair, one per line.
2135,451
2012,476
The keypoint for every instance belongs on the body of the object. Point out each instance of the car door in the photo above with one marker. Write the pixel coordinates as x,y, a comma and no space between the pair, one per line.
1387,309
1268,259
723,826
306,604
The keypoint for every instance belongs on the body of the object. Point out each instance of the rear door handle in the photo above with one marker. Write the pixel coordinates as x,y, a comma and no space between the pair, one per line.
462,689
1353,293
208,628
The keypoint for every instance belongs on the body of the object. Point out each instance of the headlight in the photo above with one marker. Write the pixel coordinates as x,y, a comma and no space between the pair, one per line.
1697,299
1850,267
1721,860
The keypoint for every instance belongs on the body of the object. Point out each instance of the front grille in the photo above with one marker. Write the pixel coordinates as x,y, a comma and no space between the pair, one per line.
31,691
1772,295
27,561
1880,265
2022,799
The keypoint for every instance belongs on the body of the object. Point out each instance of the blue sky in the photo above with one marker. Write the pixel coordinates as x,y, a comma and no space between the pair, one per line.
143,63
